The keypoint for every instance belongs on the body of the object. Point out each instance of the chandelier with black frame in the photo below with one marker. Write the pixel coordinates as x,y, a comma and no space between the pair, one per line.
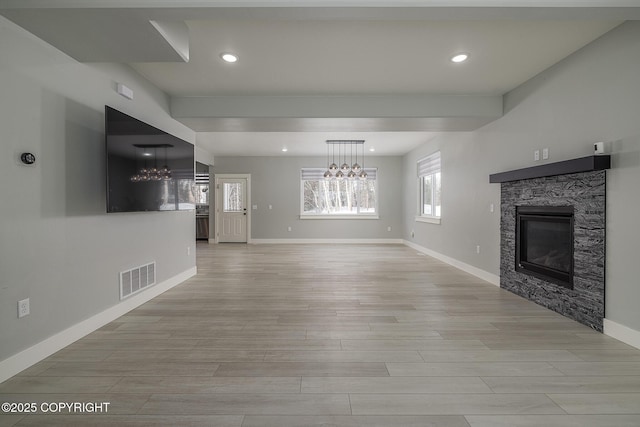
348,169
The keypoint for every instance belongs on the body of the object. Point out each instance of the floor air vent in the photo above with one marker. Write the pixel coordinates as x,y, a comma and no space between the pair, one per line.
137,279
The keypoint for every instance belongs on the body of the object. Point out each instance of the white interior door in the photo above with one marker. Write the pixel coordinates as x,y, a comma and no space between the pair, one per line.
232,210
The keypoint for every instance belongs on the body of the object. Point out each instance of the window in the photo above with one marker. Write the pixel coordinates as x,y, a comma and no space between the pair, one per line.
202,188
335,198
232,197
430,181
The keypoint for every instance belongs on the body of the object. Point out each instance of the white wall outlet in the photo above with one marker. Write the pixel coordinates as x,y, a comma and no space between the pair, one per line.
413,234
536,155
188,250
545,153
492,208
270,207
255,207
478,249
288,228
389,228
23,308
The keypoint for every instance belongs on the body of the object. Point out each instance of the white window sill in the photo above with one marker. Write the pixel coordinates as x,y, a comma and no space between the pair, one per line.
428,219
339,217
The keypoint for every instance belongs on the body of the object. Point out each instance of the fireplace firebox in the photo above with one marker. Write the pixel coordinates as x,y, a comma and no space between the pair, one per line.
544,243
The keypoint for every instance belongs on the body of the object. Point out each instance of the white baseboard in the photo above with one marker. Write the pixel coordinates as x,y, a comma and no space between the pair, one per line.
481,274
26,358
622,333
326,241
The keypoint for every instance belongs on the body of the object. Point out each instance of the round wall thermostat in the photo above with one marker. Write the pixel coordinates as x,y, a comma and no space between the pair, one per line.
28,158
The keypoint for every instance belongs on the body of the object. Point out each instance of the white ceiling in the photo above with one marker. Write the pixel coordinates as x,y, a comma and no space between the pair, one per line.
304,53
368,57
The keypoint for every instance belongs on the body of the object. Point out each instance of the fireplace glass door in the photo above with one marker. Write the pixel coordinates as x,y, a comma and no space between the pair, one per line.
544,246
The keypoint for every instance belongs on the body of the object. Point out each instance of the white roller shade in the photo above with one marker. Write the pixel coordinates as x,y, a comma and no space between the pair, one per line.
429,165
310,174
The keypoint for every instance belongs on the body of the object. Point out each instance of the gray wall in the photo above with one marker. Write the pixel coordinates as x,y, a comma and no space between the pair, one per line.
276,181
594,95
58,247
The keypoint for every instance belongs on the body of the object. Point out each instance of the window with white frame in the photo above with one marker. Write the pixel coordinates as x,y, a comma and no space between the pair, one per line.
429,178
338,197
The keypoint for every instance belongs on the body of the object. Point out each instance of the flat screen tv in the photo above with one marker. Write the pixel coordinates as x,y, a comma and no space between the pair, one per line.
147,168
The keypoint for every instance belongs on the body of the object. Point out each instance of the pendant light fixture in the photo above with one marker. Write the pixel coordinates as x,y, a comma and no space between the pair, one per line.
339,173
363,173
328,174
345,166
345,171
355,166
333,167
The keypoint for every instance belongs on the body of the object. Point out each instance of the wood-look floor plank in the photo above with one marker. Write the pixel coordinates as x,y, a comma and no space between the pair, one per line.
185,385
608,355
70,384
478,369
132,368
452,404
265,344
132,421
311,369
352,421
592,403
499,356
554,420
254,404
373,335
565,384
196,355
412,344
403,385
598,368
342,356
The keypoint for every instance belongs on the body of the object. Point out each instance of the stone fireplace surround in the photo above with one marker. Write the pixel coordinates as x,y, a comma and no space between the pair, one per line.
586,192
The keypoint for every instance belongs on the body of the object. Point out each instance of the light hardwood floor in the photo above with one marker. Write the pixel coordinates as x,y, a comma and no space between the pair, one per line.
346,335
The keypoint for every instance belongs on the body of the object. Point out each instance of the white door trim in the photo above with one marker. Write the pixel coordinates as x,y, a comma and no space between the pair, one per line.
218,194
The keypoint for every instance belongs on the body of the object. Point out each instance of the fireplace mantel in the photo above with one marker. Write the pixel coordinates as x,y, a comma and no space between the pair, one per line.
583,164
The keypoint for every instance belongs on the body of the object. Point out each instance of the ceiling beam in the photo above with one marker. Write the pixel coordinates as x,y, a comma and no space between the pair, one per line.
380,106
372,112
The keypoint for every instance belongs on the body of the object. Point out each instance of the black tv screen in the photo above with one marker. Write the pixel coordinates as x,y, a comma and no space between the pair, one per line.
147,168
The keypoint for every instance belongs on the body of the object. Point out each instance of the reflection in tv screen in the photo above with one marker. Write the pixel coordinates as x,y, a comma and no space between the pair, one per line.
147,168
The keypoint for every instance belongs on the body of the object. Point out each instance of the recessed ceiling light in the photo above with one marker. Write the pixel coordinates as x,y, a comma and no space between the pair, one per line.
461,57
285,149
372,149
229,57
147,154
